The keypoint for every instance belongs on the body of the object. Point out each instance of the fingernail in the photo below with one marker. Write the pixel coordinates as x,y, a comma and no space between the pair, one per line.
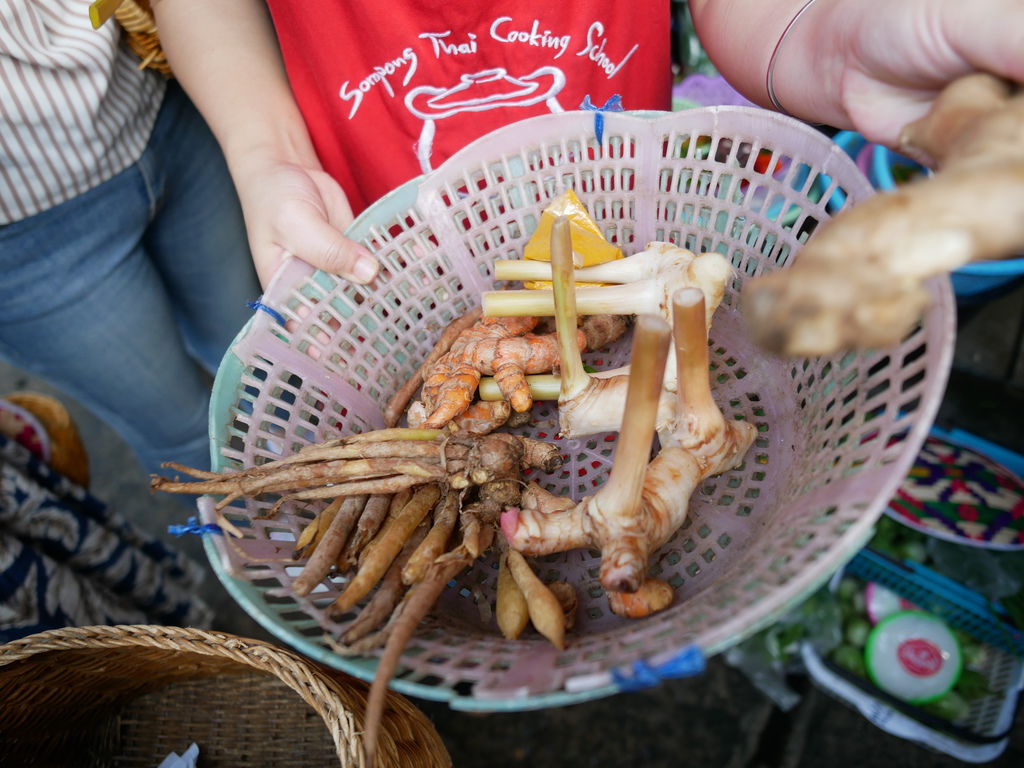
364,270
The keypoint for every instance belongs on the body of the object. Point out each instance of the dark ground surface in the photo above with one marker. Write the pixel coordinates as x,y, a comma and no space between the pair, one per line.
718,719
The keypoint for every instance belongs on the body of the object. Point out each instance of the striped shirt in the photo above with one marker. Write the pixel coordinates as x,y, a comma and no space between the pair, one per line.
74,108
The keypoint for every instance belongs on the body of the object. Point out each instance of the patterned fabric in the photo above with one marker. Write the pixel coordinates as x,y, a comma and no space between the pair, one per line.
956,493
66,559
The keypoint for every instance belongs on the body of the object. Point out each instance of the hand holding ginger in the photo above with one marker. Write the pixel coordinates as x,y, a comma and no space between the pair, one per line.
858,281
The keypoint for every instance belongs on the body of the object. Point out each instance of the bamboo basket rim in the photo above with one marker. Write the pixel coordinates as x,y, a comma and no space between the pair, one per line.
322,689
136,19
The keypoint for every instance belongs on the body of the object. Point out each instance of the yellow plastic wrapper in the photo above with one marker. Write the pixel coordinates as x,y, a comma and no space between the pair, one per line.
588,244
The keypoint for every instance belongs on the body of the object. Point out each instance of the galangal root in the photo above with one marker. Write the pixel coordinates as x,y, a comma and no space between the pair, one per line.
641,504
859,280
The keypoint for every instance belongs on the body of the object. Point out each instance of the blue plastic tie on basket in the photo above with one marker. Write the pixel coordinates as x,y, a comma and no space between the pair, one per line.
194,526
614,104
687,663
259,305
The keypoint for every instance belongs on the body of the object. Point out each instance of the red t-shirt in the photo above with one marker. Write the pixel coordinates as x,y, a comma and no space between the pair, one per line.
389,89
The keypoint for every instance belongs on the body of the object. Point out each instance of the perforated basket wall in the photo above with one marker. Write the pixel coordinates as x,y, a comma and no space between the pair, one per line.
836,435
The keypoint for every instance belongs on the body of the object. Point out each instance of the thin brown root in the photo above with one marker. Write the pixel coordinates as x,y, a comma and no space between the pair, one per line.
202,474
388,593
445,516
373,516
382,485
411,611
385,547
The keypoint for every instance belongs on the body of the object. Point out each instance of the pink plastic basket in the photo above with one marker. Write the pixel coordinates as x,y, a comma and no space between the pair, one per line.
837,434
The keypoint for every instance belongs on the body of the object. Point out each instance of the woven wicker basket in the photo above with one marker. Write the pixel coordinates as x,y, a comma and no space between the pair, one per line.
67,452
129,695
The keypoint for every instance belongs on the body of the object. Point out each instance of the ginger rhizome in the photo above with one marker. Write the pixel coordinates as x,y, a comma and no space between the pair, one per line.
642,283
859,280
641,504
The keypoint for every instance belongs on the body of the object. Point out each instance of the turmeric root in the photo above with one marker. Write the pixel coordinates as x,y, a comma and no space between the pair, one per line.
480,418
501,347
641,505
859,280
396,406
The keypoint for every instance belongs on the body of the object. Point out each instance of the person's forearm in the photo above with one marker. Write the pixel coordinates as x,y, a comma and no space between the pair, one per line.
227,59
741,35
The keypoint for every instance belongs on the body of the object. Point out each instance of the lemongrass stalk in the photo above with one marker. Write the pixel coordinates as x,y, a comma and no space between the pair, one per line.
698,418
574,377
396,433
656,258
616,271
543,386
629,299
621,494
710,272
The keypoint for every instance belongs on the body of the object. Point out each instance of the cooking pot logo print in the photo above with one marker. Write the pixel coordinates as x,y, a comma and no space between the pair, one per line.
919,657
479,92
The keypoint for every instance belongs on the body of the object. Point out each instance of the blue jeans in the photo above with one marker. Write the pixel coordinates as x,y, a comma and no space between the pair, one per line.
122,296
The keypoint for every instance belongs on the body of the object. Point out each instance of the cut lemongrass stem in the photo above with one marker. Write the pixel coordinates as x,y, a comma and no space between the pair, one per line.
574,377
696,411
621,494
644,296
616,271
543,386
650,262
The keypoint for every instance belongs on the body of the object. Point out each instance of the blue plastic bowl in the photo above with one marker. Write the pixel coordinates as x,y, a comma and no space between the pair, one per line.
968,281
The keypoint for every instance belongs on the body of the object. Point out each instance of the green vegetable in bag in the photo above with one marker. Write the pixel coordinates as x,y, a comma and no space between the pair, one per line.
851,659
952,707
972,685
856,632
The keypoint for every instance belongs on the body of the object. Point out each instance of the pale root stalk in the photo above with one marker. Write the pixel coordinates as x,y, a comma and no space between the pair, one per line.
700,443
615,511
698,419
586,405
611,519
628,299
650,279
672,269
394,433
574,377
546,386
656,258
